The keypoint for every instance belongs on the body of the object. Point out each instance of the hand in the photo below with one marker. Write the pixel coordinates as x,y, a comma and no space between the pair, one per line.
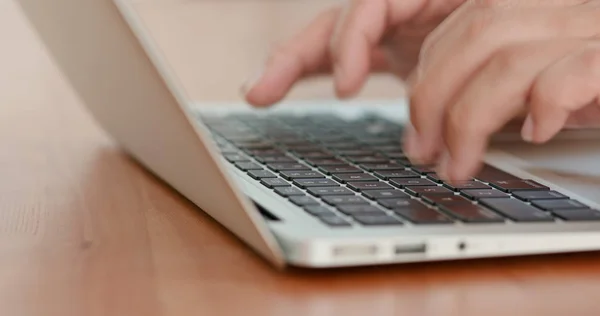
352,41
491,61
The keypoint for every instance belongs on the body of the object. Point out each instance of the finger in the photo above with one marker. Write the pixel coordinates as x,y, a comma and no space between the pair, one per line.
448,71
494,96
364,24
567,86
306,53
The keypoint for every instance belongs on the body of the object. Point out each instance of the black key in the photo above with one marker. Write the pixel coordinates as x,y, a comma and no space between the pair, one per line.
385,194
517,210
276,159
369,160
467,185
261,174
404,182
361,209
334,221
345,199
341,145
236,158
471,213
551,205
518,185
446,199
434,177
396,155
539,195
382,167
257,146
356,177
578,215
427,190
489,173
394,204
274,182
327,162
288,191
339,169
386,175
423,169
287,166
289,175
266,153
329,191
320,211
355,152
245,166
303,200
307,183
315,155
305,148
423,215
370,220
359,186
484,194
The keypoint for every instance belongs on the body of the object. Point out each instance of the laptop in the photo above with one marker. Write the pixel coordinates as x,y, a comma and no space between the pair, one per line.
318,184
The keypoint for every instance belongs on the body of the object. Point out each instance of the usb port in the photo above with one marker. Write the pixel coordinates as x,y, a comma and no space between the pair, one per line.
410,249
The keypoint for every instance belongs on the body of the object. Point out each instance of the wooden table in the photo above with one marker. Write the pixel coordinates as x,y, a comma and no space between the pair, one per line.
84,231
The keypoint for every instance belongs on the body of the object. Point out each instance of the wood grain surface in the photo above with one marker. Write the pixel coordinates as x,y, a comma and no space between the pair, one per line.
85,231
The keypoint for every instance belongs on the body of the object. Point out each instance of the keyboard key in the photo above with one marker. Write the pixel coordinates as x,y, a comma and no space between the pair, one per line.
385,194
318,211
361,210
518,185
274,182
329,191
301,175
427,190
287,166
359,186
307,183
334,221
551,205
261,174
315,155
423,169
245,166
394,204
517,210
333,162
369,220
539,195
434,177
382,167
266,152
288,191
404,182
471,213
446,199
303,200
467,185
357,177
276,159
339,169
483,194
355,152
236,158
386,175
489,173
345,199
423,215
369,160
578,215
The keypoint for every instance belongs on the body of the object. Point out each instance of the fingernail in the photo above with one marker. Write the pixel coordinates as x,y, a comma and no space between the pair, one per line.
527,130
412,145
444,166
251,81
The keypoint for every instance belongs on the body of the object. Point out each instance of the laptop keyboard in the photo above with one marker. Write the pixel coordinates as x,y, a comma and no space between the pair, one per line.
355,173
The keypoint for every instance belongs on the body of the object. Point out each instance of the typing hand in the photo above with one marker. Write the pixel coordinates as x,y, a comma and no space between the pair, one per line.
350,42
490,61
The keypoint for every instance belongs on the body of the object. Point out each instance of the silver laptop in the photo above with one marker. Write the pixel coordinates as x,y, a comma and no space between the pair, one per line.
316,186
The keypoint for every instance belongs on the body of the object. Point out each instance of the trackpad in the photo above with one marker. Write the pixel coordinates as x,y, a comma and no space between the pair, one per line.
573,165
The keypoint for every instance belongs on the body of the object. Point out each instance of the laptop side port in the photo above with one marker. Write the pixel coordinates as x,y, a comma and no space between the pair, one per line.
354,251
410,249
